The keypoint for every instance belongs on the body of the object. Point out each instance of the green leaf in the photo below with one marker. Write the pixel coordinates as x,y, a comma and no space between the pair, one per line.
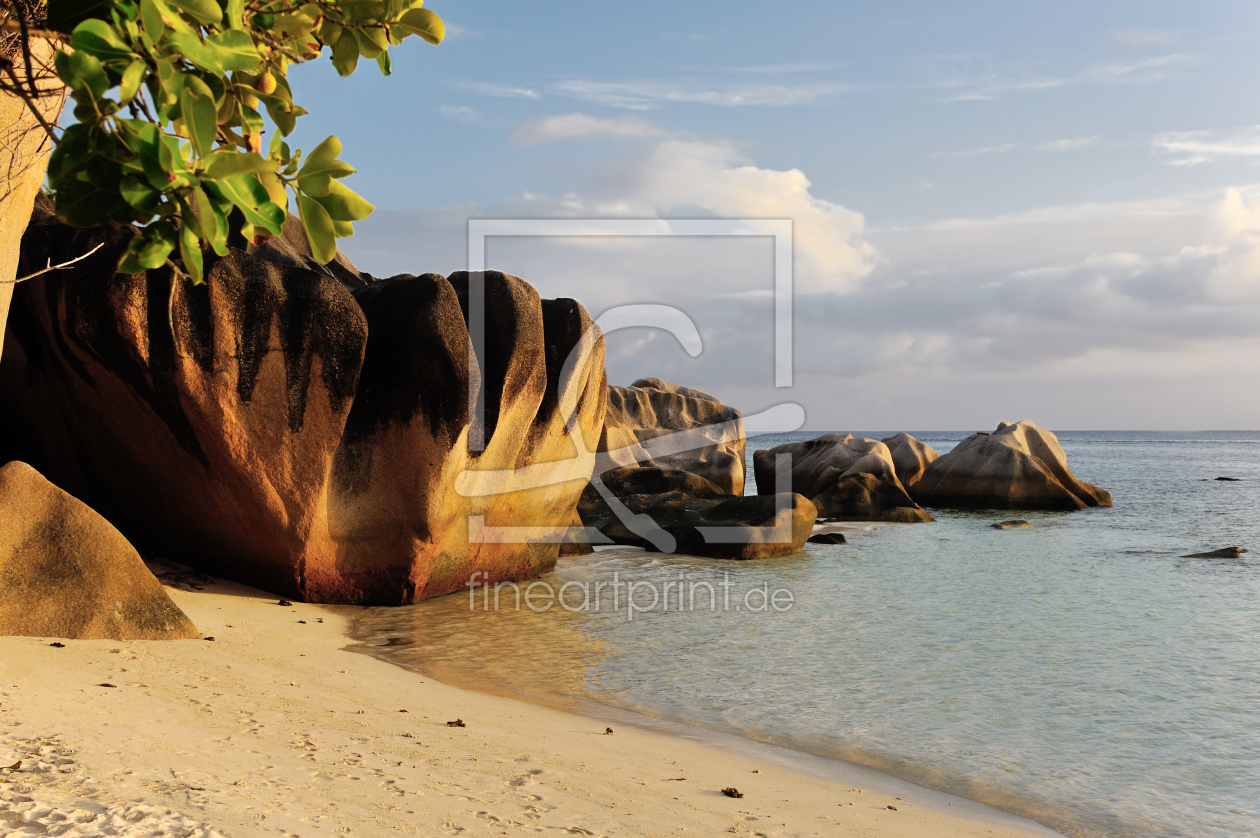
344,204
81,203
149,248
230,163
82,72
236,14
202,11
345,53
236,50
190,252
198,113
151,17
139,194
372,42
191,47
320,232
321,167
424,23
213,221
385,63
98,38
132,77
171,18
250,197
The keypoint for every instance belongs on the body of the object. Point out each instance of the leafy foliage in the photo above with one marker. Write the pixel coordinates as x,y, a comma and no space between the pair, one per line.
168,132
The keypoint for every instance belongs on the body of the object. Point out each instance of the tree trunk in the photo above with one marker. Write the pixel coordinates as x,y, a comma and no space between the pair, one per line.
24,148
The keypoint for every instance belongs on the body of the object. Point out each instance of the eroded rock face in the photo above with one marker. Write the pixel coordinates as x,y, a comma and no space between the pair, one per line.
683,506
1019,466
910,457
66,572
281,430
641,428
848,478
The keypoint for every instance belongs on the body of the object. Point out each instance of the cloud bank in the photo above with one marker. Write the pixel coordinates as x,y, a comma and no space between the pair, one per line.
1105,315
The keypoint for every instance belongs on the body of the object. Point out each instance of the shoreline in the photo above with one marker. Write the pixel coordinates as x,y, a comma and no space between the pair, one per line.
820,766
277,727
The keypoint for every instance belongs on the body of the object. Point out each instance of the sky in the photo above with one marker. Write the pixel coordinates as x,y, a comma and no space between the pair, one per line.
999,210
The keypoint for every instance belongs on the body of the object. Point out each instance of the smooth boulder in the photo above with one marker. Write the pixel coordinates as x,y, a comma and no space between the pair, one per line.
1018,466
848,478
667,510
657,424
274,427
910,457
66,572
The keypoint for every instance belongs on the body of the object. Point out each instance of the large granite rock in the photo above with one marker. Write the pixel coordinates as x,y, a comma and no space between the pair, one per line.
667,510
281,430
643,425
1019,466
848,478
910,457
66,572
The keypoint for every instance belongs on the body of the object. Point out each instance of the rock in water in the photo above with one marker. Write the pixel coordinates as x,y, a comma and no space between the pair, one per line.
1019,466
276,428
1011,525
910,457
643,426
66,572
1224,553
666,510
828,538
847,478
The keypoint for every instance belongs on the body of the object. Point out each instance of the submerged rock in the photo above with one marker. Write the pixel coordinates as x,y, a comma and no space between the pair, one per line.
277,429
657,424
1011,525
828,538
1224,553
1018,466
848,478
66,572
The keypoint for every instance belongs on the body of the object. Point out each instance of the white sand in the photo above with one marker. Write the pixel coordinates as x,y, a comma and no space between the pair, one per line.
274,728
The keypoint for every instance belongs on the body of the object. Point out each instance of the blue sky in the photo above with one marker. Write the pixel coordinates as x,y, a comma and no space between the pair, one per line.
1003,210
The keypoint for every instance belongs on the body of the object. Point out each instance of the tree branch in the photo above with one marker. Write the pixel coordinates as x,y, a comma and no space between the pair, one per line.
52,267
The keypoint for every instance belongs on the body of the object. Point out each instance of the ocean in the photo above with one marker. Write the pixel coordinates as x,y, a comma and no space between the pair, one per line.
1082,673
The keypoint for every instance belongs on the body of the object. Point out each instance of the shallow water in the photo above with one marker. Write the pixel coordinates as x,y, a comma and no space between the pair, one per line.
1081,672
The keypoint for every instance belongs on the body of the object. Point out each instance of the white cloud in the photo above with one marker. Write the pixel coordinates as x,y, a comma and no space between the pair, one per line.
580,126
649,94
1066,144
462,114
1052,146
1190,148
955,74
501,91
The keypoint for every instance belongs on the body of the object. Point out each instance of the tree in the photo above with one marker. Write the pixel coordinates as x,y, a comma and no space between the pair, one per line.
169,97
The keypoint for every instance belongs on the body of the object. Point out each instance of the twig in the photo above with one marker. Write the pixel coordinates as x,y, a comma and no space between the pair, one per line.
52,267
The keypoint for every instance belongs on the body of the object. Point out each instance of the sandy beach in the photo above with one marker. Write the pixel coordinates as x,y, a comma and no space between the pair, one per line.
274,728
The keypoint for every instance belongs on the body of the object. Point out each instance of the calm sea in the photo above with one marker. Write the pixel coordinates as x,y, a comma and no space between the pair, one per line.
1081,673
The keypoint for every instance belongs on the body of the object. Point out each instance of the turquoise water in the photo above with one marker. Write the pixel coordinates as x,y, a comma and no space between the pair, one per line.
1080,673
